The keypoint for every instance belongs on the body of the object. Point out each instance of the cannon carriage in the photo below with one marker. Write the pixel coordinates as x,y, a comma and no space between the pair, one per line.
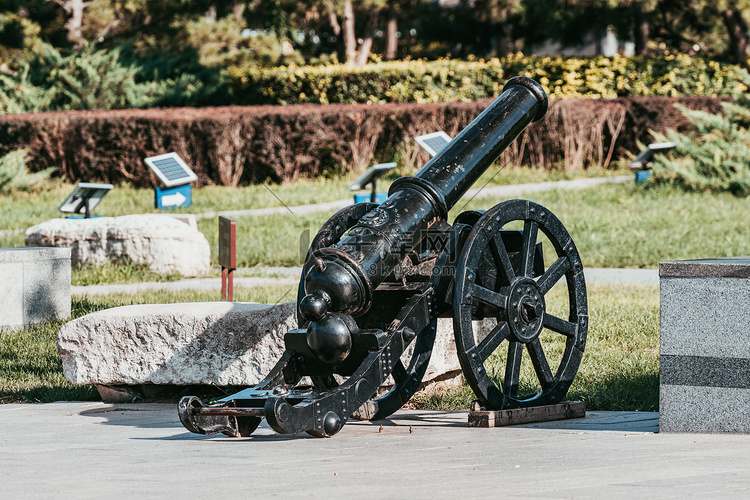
377,278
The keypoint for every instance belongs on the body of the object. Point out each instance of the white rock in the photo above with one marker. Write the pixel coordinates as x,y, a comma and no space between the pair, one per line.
221,343
162,242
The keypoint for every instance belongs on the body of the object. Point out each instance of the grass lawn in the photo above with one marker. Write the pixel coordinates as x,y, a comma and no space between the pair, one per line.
620,368
23,210
622,225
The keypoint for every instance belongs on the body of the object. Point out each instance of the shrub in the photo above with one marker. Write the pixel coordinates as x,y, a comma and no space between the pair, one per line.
14,175
233,145
452,80
103,79
715,155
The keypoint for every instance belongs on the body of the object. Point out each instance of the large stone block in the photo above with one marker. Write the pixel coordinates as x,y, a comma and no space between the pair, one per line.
208,343
211,343
162,242
34,285
705,346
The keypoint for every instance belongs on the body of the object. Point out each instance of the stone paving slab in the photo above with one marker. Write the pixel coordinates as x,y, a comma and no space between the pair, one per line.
93,450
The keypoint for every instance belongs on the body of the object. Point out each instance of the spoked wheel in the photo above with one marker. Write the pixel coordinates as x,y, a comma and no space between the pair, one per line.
408,371
501,279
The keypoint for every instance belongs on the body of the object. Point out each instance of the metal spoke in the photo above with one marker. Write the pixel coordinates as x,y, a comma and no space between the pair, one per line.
530,230
489,297
541,367
513,369
559,325
488,345
553,274
399,372
497,246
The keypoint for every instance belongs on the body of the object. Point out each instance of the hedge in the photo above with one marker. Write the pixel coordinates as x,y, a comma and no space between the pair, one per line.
454,80
240,145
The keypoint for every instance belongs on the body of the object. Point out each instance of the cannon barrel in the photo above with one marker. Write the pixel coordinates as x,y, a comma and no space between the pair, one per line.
455,168
342,278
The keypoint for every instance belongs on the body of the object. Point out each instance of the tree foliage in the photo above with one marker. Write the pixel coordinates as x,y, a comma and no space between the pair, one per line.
715,156
103,79
14,176
186,45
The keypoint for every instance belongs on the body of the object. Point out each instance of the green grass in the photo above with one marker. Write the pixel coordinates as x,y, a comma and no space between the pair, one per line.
122,272
22,210
620,368
266,295
631,226
623,225
620,225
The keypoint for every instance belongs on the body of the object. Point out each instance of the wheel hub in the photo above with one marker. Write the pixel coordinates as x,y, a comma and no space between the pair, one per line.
525,310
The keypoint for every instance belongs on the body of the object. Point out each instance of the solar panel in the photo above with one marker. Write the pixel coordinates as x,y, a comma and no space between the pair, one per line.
171,169
85,193
646,156
371,175
433,143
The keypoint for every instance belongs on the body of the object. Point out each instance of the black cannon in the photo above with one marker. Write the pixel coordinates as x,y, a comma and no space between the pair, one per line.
377,277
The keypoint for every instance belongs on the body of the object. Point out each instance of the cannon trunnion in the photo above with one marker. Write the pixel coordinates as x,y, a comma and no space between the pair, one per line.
377,277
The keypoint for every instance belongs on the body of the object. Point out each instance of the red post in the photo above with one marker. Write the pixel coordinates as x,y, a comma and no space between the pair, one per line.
227,255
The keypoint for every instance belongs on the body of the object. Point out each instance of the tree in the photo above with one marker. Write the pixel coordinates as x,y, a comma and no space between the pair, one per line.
499,16
352,49
391,31
74,23
716,155
737,30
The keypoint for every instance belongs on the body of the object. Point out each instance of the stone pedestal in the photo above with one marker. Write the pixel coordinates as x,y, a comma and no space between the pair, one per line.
34,285
705,346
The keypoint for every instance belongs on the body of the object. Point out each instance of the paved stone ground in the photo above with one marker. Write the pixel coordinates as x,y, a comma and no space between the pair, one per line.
93,450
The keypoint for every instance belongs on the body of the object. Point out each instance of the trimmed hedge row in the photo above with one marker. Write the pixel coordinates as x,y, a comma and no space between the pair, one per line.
454,80
240,145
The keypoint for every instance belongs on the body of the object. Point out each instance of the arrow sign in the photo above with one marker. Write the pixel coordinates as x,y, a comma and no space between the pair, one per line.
180,196
173,200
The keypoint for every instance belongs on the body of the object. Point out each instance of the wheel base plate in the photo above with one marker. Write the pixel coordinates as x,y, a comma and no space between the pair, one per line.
479,417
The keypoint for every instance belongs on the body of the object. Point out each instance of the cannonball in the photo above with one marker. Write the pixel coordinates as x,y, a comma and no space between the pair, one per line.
329,339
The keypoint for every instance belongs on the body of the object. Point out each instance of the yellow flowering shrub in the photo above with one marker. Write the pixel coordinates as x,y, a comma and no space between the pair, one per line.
448,80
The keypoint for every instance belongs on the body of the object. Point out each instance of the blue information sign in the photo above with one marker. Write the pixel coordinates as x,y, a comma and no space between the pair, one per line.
174,197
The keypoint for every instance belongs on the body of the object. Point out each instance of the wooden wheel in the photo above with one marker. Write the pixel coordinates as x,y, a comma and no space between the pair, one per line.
531,354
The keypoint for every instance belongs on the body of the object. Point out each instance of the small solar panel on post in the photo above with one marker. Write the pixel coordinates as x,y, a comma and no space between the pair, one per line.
370,178
433,143
227,256
176,177
641,164
84,198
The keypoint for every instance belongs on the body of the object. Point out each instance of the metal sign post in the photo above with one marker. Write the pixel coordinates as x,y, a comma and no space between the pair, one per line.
227,256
